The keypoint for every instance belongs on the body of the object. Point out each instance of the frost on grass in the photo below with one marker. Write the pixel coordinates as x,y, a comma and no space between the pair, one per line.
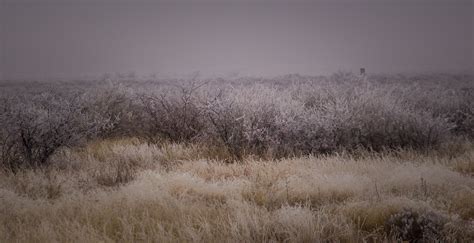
311,160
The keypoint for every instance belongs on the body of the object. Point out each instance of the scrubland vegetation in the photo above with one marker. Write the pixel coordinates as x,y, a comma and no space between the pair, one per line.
294,158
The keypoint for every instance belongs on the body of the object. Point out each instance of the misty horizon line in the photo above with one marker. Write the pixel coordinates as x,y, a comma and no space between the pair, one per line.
132,75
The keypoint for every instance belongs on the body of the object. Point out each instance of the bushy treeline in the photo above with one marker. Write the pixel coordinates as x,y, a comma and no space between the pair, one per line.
291,115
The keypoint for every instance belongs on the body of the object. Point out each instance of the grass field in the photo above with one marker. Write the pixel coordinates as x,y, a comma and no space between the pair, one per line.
129,190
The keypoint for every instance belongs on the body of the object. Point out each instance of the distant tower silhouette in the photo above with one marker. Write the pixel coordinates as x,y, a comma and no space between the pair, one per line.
363,76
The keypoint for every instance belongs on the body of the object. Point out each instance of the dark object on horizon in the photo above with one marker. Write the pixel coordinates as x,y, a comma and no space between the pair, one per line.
362,71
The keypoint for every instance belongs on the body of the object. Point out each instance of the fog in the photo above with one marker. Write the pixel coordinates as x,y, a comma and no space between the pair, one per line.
71,39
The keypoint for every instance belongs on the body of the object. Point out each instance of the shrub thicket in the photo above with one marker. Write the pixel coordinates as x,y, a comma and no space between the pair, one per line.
281,117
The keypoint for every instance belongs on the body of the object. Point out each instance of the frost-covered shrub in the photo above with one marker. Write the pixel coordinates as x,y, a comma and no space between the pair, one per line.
455,103
284,116
33,128
114,102
226,124
375,119
462,114
173,114
322,118
412,226
331,117
372,117
248,119
304,133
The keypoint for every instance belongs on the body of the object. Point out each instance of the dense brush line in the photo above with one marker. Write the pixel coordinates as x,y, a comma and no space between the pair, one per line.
286,116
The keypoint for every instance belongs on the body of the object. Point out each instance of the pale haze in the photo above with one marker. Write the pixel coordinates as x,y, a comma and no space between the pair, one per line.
70,39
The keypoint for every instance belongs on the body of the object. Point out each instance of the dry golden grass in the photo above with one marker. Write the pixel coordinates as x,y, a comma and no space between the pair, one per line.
127,190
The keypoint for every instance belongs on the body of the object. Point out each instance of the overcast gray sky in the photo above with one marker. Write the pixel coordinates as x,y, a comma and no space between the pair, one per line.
72,38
